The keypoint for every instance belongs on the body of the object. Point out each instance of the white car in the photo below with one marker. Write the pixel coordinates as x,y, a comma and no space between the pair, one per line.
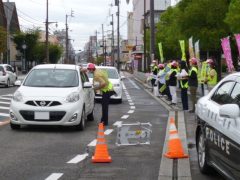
53,94
218,128
7,75
114,78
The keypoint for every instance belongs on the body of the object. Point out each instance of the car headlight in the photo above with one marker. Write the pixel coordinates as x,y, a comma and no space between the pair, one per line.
17,96
73,97
116,85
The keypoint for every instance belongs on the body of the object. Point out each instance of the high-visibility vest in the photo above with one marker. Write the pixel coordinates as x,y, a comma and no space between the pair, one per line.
103,74
193,69
185,85
212,81
203,73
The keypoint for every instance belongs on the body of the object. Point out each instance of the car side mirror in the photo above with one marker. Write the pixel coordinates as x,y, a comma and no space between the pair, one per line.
18,83
229,111
87,85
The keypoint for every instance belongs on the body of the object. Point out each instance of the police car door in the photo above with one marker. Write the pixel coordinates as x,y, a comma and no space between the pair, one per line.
217,142
232,131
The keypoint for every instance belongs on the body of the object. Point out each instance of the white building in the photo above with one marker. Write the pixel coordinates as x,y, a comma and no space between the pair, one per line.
138,16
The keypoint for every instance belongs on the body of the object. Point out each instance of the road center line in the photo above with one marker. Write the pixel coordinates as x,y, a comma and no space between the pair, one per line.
117,123
130,111
108,131
124,116
131,104
93,143
78,158
54,176
132,107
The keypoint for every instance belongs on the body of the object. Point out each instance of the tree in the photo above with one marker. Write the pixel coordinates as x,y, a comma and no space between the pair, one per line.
55,52
30,38
233,16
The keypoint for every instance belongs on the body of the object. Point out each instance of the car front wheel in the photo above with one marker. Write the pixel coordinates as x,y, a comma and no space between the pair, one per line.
201,152
15,126
90,117
8,83
81,125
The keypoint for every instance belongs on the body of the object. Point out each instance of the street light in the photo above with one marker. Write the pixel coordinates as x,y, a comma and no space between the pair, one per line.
24,47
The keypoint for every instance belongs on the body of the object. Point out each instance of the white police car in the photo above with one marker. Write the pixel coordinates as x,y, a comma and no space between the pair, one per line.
218,129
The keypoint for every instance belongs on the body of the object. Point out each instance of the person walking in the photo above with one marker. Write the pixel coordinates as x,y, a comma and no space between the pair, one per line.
193,82
183,80
102,83
173,82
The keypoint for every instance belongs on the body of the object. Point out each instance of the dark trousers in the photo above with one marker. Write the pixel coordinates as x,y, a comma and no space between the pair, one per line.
184,97
105,102
193,95
167,92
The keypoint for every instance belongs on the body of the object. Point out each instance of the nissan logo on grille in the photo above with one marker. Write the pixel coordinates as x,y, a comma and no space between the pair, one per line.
42,103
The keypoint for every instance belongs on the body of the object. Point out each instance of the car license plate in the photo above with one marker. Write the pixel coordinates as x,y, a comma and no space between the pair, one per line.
41,115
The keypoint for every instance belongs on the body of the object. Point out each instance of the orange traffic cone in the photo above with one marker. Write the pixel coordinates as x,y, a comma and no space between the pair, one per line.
101,152
175,149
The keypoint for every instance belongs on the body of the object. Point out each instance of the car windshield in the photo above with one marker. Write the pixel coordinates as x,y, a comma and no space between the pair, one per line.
112,73
57,78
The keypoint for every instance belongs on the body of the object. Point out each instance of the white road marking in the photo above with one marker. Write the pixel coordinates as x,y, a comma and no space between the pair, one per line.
134,84
124,116
131,104
130,111
117,123
54,176
78,158
93,143
124,87
129,100
4,98
5,103
132,107
108,131
4,114
7,95
3,107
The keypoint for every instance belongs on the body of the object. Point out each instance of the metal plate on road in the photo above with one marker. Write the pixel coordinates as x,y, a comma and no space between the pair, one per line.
134,134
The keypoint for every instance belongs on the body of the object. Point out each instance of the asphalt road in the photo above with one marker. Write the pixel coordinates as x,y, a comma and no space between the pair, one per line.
35,153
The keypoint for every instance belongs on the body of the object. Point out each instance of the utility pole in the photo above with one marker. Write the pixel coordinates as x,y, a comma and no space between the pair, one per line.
117,3
112,23
47,49
103,44
96,45
8,34
152,27
145,39
67,39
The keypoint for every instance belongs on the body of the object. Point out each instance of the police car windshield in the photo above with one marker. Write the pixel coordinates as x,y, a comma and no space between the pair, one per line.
58,78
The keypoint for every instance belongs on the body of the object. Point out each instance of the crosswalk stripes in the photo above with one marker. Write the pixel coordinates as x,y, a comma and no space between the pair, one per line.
5,101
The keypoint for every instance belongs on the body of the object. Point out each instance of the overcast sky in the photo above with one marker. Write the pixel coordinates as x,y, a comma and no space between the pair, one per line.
89,15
